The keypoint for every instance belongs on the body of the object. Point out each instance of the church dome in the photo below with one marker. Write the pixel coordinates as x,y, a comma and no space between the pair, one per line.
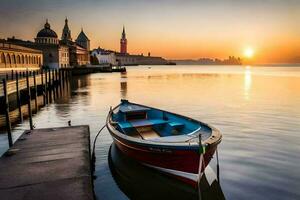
46,32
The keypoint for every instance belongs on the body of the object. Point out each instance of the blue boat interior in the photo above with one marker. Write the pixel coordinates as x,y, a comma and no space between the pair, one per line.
150,124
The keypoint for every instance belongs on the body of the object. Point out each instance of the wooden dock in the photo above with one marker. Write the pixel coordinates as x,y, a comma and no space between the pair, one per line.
25,92
48,164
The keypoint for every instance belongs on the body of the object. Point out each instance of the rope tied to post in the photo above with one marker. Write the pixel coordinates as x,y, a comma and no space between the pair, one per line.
94,146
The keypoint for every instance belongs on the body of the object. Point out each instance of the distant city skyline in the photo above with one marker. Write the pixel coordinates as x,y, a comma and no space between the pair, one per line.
174,29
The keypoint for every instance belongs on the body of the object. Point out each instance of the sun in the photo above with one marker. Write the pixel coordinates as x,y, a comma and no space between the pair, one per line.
248,52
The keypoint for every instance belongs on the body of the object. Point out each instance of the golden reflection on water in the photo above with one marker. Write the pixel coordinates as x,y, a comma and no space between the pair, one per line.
247,82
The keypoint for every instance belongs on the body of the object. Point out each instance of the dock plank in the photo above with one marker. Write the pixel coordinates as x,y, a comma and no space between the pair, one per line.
48,164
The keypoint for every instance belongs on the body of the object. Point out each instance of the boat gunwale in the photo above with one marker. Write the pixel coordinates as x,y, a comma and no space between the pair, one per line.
213,140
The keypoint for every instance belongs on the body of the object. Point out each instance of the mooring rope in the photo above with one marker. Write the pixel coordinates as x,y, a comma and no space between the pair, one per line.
201,162
218,168
94,146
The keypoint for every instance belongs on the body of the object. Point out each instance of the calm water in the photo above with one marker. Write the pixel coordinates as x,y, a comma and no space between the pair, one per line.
257,109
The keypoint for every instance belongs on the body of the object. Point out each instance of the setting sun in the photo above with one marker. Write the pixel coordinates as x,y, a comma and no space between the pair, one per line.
248,53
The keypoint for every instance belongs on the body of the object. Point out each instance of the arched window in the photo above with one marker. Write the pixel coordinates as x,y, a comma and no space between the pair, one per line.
13,59
18,59
40,61
22,60
2,60
26,60
8,60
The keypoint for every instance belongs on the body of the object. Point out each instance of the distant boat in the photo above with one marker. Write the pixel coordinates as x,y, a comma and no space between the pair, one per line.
163,140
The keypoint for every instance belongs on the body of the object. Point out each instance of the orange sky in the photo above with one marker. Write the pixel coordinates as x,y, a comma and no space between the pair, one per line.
173,29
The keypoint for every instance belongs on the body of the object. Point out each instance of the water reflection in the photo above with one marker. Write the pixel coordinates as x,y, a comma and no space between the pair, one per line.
141,182
247,82
259,154
80,82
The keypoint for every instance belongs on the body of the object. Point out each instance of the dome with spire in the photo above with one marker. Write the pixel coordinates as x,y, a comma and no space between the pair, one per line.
46,31
46,35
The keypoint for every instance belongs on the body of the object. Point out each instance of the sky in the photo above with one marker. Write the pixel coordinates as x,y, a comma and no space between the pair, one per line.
174,29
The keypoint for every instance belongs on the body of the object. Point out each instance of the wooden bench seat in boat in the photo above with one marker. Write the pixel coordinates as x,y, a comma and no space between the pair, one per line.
146,132
176,124
140,123
147,122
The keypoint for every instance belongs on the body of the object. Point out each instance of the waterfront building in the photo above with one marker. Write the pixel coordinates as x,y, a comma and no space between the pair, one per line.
55,54
59,53
128,59
104,56
15,56
124,58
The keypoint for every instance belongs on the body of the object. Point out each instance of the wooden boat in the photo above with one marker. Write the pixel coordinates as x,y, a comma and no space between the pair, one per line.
163,140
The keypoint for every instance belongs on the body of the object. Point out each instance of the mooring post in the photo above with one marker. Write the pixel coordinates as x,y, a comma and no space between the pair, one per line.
60,86
62,74
35,92
46,86
50,87
57,82
63,78
29,101
201,161
19,98
53,84
12,74
8,125
43,87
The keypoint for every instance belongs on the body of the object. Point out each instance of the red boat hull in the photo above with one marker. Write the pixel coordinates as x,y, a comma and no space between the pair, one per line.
174,159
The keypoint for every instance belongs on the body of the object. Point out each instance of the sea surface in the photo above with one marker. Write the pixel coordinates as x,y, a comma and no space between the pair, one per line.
257,109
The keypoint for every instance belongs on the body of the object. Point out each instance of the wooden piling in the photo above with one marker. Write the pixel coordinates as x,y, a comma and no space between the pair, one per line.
35,92
29,101
53,84
43,88
63,78
59,76
49,86
19,98
8,125
46,87
56,82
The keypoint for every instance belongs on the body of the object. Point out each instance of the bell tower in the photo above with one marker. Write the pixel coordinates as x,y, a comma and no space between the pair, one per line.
123,42
66,33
